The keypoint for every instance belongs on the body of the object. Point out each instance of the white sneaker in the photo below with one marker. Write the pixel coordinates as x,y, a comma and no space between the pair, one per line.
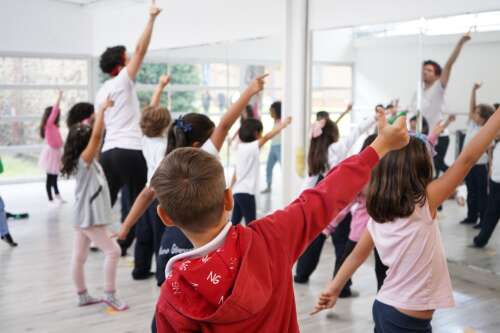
113,302
85,299
60,199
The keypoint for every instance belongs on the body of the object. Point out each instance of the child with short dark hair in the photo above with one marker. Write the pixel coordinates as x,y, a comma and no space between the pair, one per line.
246,176
402,202
477,178
92,208
238,278
50,158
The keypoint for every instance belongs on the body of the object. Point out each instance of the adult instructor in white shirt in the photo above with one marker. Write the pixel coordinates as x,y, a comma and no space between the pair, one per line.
122,159
435,79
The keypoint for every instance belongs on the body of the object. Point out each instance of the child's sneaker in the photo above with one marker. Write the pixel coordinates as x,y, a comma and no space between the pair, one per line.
60,199
113,302
85,299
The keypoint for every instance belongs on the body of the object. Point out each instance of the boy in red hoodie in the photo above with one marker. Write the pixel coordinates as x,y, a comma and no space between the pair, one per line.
238,279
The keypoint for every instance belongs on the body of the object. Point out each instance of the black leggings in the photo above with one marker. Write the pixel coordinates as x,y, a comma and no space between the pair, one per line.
477,192
51,183
441,149
244,206
491,216
125,167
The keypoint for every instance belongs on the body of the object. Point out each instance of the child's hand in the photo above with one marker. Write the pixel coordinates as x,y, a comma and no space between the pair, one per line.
349,107
164,80
108,103
60,94
452,118
287,121
465,38
154,11
390,137
477,85
121,234
326,300
257,85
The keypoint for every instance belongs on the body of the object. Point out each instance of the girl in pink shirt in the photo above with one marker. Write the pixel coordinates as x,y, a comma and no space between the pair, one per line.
50,158
402,201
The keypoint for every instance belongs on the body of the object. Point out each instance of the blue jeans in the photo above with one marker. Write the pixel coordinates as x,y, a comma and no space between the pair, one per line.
273,158
390,320
4,228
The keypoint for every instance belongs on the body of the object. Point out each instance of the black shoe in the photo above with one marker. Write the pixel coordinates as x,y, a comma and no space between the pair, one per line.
440,208
300,280
467,221
142,276
477,243
8,239
20,216
94,249
477,226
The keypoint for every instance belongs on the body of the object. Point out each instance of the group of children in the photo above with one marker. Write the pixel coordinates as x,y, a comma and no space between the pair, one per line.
217,275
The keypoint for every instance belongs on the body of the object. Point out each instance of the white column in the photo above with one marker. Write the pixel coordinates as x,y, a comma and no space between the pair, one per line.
296,97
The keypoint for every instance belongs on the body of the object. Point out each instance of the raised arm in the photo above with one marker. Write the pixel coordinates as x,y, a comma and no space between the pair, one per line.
275,131
141,204
135,63
162,83
234,112
445,75
94,144
472,105
441,189
347,110
55,109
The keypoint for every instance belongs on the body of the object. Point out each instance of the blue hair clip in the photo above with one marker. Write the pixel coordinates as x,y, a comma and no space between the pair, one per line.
185,127
423,138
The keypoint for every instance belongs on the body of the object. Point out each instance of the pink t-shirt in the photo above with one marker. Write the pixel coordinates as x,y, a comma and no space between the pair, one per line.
359,220
418,277
52,133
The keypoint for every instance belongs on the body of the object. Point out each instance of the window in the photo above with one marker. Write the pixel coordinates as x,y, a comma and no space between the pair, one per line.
27,86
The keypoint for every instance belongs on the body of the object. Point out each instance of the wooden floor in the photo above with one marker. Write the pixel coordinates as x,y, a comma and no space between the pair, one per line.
37,295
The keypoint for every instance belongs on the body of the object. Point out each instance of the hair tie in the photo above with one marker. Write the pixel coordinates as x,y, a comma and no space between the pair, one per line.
317,128
185,127
423,138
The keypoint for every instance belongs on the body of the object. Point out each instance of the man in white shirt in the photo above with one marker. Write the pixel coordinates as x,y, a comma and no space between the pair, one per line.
435,79
122,159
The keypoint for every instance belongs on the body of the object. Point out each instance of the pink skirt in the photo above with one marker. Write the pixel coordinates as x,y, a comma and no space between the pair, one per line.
50,160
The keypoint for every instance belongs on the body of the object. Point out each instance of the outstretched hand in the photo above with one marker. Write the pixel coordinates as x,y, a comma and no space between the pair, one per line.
164,80
477,85
466,37
326,300
108,103
154,11
390,137
257,85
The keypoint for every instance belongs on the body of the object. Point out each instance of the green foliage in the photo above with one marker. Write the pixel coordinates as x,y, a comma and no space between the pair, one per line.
151,72
183,101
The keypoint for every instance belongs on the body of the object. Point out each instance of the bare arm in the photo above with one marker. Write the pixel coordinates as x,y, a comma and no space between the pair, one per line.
141,204
234,112
142,46
156,98
275,131
347,110
56,110
328,298
445,76
443,187
94,144
473,103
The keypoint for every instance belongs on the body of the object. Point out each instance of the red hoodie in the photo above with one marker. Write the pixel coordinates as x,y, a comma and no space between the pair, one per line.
243,281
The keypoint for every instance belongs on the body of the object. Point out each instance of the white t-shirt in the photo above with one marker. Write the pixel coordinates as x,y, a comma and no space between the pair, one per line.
121,120
433,103
153,150
247,168
495,164
472,130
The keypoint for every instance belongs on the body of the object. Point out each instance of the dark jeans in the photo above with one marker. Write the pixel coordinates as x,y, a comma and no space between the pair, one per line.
389,320
124,167
491,216
308,261
441,149
477,192
380,269
244,206
148,234
51,183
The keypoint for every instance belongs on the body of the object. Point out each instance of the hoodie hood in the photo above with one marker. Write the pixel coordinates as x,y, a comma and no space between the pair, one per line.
216,283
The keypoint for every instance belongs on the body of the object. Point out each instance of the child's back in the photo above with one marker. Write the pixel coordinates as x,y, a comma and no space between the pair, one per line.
247,168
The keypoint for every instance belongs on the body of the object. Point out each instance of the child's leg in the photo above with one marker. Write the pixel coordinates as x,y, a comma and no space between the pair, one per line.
144,246
491,216
340,238
349,247
100,237
380,269
48,187
272,159
482,190
80,253
308,261
54,185
248,207
237,211
4,227
470,182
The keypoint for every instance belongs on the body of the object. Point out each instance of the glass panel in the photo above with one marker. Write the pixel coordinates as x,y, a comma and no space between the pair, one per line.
330,100
43,71
146,95
215,75
185,102
150,73
19,132
20,165
234,75
333,76
186,74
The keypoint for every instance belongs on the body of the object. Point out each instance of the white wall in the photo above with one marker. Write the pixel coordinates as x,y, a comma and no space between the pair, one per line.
43,26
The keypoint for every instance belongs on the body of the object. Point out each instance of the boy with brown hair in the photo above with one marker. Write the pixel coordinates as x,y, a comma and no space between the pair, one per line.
239,278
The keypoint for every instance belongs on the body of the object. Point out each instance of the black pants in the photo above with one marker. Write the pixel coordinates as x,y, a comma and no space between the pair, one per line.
148,232
244,206
441,149
380,269
124,167
477,192
51,183
389,320
308,261
491,216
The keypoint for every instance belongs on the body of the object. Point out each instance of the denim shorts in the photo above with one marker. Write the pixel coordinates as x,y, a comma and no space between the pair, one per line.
389,320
